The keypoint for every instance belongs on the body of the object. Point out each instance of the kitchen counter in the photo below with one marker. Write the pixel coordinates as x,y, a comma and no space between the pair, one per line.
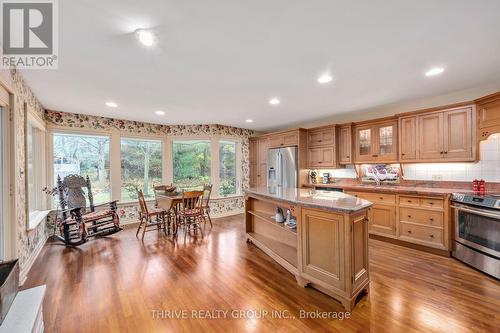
411,190
327,247
311,198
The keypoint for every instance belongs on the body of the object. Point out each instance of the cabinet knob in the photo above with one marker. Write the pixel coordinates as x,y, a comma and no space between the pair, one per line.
431,236
442,152
409,231
374,155
381,198
446,152
348,156
431,203
431,219
403,154
409,216
409,201
320,140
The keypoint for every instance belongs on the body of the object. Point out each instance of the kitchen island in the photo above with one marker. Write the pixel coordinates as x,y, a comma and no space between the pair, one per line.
328,250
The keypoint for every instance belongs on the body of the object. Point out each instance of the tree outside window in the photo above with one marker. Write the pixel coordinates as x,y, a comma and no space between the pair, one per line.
191,163
141,165
227,168
85,155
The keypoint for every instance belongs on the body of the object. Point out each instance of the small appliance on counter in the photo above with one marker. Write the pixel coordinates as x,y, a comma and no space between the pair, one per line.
477,231
313,177
279,215
326,178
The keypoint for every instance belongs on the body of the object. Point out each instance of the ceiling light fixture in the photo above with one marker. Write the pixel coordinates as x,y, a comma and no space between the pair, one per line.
434,71
249,120
112,104
146,37
325,78
274,101
160,112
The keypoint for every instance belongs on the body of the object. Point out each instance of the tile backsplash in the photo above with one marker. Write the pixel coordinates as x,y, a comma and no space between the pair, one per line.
488,168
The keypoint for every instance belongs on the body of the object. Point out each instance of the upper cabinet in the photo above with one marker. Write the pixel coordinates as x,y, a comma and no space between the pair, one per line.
376,142
489,115
284,139
446,135
408,139
344,144
321,152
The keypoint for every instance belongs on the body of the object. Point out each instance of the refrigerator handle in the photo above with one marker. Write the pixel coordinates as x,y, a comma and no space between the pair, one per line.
281,169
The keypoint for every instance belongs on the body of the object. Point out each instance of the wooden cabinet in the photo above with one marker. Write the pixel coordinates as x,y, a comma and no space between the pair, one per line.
286,139
447,135
408,138
324,136
376,142
253,161
344,144
489,115
382,215
263,144
321,147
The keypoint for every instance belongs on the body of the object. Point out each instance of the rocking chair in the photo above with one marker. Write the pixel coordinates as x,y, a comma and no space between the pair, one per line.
80,222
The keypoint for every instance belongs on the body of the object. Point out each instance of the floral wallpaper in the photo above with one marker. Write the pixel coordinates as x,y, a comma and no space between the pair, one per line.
27,241
129,212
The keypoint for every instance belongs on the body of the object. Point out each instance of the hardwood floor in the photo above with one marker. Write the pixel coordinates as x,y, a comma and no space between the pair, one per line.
120,284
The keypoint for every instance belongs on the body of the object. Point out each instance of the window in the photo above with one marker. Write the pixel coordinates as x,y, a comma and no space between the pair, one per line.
35,170
85,155
227,168
141,165
191,163
3,186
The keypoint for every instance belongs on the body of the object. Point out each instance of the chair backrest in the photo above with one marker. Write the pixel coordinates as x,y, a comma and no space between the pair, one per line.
72,194
192,200
142,202
207,191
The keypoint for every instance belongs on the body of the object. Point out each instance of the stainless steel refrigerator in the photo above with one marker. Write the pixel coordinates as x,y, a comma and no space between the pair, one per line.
282,167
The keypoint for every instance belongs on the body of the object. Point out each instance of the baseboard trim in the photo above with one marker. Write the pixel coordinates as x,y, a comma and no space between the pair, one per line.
23,274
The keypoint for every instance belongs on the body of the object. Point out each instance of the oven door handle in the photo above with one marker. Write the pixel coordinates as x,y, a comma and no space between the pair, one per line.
481,212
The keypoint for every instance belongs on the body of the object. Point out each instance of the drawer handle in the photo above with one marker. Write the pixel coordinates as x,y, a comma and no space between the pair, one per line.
409,231
431,219
381,198
409,201
374,155
320,140
348,156
431,203
431,236
409,216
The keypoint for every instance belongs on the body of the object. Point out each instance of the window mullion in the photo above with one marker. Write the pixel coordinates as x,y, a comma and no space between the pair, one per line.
115,165
215,165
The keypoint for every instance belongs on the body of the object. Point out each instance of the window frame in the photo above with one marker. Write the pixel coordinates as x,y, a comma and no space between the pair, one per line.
39,134
139,138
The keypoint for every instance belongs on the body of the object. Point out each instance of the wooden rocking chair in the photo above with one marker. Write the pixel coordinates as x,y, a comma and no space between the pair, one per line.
80,222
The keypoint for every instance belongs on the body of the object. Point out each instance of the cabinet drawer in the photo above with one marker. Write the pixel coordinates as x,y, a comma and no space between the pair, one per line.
421,216
421,233
382,198
432,203
409,201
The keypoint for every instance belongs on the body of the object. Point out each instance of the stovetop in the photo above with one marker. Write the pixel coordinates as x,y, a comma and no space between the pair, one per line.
491,200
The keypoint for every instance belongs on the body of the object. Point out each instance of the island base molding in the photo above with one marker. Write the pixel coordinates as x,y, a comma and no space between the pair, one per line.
328,251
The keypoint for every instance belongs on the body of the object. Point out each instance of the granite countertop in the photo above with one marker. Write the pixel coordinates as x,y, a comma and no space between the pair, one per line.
327,200
415,190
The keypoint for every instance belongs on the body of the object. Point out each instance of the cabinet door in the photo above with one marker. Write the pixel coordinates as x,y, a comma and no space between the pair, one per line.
489,114
322,240
263,147
364,143
430,129
262,175
458,134
344,145
382,220
254,171
321,137
253,152
276,141
291,139
408,139
386,142
321,157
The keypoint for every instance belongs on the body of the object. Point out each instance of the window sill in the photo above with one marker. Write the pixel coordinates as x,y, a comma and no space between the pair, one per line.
232,196
36,217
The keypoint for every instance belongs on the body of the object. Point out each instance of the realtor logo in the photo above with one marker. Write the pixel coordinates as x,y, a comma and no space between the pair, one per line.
29,34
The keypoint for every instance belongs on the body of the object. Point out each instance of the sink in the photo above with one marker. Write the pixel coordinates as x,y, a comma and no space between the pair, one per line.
9,282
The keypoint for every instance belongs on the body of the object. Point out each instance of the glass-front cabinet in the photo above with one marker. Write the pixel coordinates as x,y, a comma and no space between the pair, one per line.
376,142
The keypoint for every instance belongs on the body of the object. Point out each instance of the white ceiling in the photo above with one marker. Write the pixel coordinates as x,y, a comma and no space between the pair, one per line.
219,61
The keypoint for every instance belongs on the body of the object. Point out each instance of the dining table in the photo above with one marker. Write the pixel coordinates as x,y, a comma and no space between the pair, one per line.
170,203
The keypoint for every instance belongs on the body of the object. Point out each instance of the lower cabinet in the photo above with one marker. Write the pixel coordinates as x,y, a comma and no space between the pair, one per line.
413,219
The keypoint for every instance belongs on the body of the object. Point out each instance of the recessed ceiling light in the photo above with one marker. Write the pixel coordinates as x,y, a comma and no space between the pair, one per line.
146,37
434,71
325,78
249,120
274,101
112,104
160,112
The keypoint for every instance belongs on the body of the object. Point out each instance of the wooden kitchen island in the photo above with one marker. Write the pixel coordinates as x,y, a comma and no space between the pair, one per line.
329,248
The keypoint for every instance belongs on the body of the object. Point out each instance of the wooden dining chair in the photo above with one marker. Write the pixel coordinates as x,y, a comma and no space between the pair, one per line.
191,212
165,202
149,218
207,191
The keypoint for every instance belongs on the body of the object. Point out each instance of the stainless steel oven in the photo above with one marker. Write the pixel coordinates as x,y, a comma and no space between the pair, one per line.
477,232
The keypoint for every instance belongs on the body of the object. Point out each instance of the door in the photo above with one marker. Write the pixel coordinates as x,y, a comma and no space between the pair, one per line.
431,136
408,139
458,134
364,143
382,220
345,145
289,167
386,142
